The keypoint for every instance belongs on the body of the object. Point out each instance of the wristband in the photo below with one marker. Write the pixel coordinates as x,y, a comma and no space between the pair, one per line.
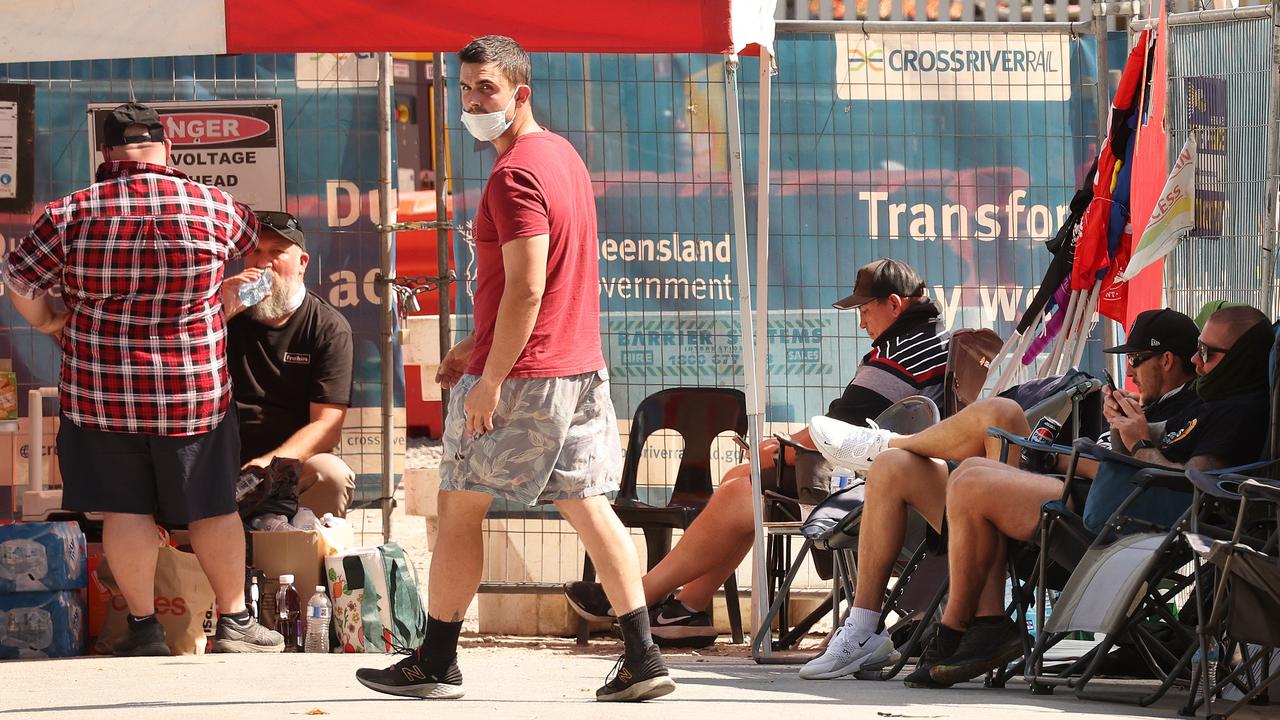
1142,444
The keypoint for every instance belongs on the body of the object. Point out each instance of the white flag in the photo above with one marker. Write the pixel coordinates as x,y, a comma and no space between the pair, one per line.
1174,215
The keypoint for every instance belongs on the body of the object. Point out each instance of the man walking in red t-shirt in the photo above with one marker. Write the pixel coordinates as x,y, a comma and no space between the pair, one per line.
530,419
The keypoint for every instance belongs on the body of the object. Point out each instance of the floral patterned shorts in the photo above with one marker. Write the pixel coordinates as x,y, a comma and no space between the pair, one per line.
552,439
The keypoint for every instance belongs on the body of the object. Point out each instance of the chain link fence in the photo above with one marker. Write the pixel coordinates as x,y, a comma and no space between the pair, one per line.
955,149
1227,98
329,135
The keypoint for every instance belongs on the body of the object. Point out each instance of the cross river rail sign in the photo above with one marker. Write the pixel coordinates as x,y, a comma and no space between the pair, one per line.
233,144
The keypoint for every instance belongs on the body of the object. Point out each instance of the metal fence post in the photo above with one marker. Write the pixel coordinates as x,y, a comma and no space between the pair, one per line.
1273,147
440,163
386,238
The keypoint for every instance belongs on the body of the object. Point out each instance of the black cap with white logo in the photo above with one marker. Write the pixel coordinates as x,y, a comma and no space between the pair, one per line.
1164,330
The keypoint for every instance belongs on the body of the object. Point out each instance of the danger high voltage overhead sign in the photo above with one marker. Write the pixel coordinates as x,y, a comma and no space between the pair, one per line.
235,145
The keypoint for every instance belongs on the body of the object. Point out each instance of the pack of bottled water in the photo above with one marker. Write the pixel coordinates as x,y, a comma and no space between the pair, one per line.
42,556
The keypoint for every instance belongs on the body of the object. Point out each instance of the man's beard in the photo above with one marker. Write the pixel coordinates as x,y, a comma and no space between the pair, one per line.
279,304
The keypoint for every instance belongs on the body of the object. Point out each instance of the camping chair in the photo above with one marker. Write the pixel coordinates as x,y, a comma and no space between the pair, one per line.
699,415
908,415
919,591
1117,583
969,354
1245,593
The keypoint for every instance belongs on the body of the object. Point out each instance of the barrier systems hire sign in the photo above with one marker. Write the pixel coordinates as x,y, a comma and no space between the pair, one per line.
924,66
235,145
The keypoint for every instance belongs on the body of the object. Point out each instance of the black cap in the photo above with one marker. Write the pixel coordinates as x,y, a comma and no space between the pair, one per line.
1164,330
879,280
126,116
283,224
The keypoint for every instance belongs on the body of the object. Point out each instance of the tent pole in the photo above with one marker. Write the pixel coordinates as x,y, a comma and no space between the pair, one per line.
440,163
762,314
749,376
386,238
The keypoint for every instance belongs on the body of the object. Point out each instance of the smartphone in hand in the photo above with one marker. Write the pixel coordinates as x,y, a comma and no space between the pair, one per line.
1111,382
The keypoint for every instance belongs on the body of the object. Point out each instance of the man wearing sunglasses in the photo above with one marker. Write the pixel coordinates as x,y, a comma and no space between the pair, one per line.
290,356
148,432
987,501
1159,355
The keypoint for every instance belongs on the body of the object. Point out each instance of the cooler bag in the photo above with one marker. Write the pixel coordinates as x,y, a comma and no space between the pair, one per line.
376,605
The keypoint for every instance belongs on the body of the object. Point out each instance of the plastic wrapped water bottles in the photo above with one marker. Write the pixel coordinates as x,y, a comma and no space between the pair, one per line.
252,292
318,612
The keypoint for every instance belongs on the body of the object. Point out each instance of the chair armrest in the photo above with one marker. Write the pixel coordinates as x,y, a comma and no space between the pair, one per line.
1022,442
1256,489
785,440
1094,451
1162,477
1209,482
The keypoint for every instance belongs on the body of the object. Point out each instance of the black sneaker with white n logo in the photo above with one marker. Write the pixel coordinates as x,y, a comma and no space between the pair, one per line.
673,625
411,677
635,682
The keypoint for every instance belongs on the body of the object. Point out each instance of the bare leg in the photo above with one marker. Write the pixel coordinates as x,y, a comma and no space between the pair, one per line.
458,559
988,502
896,481
219,545
611,550
131,546
964,435
711,548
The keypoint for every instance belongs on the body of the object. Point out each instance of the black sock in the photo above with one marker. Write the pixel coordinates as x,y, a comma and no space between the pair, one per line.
136,623
440,647
635,633
241,618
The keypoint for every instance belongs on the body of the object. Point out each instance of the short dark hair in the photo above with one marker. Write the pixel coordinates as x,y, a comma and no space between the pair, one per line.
1187,364
502,51
1239,319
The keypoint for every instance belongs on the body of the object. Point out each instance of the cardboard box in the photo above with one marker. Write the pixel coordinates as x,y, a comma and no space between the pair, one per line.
299,553
8,395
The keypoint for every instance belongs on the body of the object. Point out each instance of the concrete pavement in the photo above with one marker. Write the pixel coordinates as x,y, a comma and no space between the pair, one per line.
504,678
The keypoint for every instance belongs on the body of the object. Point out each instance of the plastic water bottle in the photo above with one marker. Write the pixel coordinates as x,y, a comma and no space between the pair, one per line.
252,292
1032,627
271,523
245,485
253,598
289,614
318,612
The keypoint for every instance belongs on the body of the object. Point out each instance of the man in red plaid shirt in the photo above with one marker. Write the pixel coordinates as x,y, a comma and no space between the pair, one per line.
148,430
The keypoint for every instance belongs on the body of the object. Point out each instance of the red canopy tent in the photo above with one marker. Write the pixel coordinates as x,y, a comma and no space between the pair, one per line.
37,30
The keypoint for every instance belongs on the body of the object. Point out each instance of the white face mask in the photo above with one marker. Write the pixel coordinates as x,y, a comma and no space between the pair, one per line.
487,127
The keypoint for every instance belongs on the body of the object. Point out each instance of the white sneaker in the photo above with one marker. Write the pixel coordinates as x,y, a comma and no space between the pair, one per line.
845,445
849,653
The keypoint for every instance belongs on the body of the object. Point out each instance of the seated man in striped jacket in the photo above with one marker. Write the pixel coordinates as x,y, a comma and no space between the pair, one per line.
908,357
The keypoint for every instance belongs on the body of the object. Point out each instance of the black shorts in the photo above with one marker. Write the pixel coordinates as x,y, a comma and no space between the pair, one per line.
176,479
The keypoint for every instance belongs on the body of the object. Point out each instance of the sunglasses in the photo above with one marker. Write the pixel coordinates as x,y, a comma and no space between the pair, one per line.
1136,359
277,220
1207,351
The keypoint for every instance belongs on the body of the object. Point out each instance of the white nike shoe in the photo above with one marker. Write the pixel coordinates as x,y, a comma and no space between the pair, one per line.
849,653
845,445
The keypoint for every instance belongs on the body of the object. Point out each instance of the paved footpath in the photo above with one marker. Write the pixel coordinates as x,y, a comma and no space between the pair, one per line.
504,679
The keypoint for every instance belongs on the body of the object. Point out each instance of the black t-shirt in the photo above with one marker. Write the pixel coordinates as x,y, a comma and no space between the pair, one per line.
278,372
1234,429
